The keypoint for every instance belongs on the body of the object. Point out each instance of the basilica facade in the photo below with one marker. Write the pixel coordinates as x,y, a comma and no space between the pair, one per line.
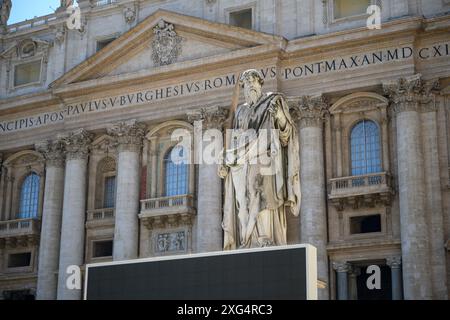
92,98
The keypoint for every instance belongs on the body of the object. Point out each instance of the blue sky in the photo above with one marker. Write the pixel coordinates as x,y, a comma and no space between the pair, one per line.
27,9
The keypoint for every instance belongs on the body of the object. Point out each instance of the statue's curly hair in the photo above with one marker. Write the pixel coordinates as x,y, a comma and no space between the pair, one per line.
251,72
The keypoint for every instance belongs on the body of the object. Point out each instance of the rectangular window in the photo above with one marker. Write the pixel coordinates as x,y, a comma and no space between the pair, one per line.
103,43
242,18
18,260
102,249
109,192
348,8
365,224
27,73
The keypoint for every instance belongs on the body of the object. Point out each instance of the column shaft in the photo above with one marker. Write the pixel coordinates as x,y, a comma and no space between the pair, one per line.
127,206
72,230
129,136
209,216
312,178
209,204
407,97
74,211
342,270
416,276
434,205
51,223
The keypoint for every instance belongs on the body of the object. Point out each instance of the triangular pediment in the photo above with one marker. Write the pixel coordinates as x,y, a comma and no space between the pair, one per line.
184,39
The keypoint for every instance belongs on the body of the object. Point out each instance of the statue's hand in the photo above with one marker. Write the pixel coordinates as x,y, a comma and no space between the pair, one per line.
277,112
273,108
223,171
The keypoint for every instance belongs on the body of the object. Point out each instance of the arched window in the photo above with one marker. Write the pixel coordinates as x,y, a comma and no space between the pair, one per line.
109,192
105,190
176,172
365,148
29,197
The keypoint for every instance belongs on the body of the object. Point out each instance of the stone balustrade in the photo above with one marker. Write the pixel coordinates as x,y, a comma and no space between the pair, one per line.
363,189
100,214
22,232
18,227
32,23
100,218
156,205
167,211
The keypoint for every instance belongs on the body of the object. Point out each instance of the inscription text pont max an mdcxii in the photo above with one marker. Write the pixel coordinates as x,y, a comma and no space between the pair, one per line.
153,95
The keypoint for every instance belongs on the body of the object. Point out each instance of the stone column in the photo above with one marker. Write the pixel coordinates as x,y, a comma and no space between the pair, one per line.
396,277
435,216
129,137
154,166
313,214
385,140
338,133
9,181
74,209
406,97
209,204
2,187
342,270
51,219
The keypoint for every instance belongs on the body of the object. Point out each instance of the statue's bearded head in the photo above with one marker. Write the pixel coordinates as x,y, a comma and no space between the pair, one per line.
252,82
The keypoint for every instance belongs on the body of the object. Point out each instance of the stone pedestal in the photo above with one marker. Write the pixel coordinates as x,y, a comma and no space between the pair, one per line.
208,124
129,137
74,210
310,114
51,220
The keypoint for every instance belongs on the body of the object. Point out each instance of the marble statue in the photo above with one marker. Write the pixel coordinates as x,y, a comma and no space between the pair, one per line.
5,10
66,3
260,166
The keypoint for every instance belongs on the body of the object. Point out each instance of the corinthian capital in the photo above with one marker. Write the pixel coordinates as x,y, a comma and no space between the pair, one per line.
53,152
310,111
411,93
342,266
394,262
211,117
128,135
77,144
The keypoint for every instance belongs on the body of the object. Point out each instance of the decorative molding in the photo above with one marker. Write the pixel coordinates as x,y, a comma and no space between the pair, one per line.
310,111
128,135
411,94
77,144
53,152
171,242
104,144
129,14
60,35
211,117
166,44
25,51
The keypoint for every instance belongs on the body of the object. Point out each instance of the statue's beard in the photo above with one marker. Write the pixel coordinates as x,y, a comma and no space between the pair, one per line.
252,95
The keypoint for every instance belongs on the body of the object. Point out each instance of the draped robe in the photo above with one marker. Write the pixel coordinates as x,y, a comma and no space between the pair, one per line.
263,183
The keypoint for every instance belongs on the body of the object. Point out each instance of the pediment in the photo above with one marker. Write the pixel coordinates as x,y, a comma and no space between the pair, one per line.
165,38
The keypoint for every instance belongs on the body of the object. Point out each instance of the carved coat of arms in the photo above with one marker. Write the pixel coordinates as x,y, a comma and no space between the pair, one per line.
166,44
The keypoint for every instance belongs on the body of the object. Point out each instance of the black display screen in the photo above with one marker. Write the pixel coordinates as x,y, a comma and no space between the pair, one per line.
249,274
